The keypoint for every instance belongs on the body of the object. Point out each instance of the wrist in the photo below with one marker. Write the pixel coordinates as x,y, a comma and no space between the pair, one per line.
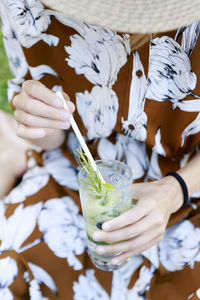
174,189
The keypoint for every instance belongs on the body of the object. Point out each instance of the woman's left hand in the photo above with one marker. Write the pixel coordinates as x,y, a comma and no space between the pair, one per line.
144,225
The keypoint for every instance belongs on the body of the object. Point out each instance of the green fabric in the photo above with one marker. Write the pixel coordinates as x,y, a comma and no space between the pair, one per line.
4,76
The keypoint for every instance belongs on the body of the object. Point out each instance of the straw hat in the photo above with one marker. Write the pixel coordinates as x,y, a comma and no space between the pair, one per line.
141,16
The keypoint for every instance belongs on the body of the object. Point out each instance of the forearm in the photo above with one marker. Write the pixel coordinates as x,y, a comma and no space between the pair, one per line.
50,142
191,174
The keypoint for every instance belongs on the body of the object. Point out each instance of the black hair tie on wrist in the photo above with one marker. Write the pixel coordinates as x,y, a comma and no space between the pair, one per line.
183,186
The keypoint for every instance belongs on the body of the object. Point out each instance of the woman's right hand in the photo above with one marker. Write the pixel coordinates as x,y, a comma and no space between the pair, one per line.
40,112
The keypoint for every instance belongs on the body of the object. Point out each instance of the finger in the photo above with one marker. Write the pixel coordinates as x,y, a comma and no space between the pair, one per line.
39,91
119,259
148,222
33,133
70,104
34,107
143,207
130,245
35,121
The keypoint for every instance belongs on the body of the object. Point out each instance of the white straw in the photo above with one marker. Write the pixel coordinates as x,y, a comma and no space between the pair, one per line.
80,138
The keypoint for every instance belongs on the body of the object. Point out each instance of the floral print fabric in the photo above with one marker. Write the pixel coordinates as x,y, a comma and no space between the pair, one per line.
141,107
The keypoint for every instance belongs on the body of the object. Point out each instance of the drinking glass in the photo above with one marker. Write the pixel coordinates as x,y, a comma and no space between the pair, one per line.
100,207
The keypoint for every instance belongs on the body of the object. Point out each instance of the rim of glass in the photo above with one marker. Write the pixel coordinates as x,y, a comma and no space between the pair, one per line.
110,161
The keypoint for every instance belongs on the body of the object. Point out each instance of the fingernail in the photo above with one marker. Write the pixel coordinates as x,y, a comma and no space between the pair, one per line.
65,125
106,226
64,114
40,133
115,261
100,250
96,236
99,225
58,102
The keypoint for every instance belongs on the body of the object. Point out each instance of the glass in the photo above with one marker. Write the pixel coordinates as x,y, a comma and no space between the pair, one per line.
98,208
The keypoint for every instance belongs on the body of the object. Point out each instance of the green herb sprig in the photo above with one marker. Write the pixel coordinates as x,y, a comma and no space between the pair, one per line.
93,178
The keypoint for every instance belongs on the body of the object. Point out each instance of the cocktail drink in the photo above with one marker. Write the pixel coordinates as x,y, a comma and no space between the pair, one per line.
108,202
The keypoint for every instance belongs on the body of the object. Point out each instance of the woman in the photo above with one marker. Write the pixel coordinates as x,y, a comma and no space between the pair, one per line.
132,104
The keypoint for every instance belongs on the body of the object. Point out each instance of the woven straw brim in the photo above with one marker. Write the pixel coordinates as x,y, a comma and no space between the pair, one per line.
142,16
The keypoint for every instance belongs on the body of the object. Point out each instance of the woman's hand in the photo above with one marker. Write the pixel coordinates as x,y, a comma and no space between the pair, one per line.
144,225
39,111
12,154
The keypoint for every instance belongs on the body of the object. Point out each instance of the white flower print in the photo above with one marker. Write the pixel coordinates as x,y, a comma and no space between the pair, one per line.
142,284
72,142
8,273
38,72
98,54
196,194
158,148
88,288
122,277
61,169
29,21
13,232
192,128
180,246
154,171
40,277
35,292
195,295
136,158
98,111
16,58
170,76
188,105
18,66
43,277
135,125
108,150
134,153
190,36
63,229
152,254
5,294
57,88
33,180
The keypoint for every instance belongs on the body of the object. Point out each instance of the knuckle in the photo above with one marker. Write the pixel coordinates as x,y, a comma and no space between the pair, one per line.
30,86
16,114
129,233
32,89
159,219
153,204
15,100
20,132
28,119
131,247
29,105
26,84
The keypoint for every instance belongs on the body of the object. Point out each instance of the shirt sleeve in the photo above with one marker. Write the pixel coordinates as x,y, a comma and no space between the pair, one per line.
16,58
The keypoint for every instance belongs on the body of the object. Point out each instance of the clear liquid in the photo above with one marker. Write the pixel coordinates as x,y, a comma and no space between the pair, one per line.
98,211
101,208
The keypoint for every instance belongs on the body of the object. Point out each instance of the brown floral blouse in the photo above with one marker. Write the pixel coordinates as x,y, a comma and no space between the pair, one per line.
141,107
